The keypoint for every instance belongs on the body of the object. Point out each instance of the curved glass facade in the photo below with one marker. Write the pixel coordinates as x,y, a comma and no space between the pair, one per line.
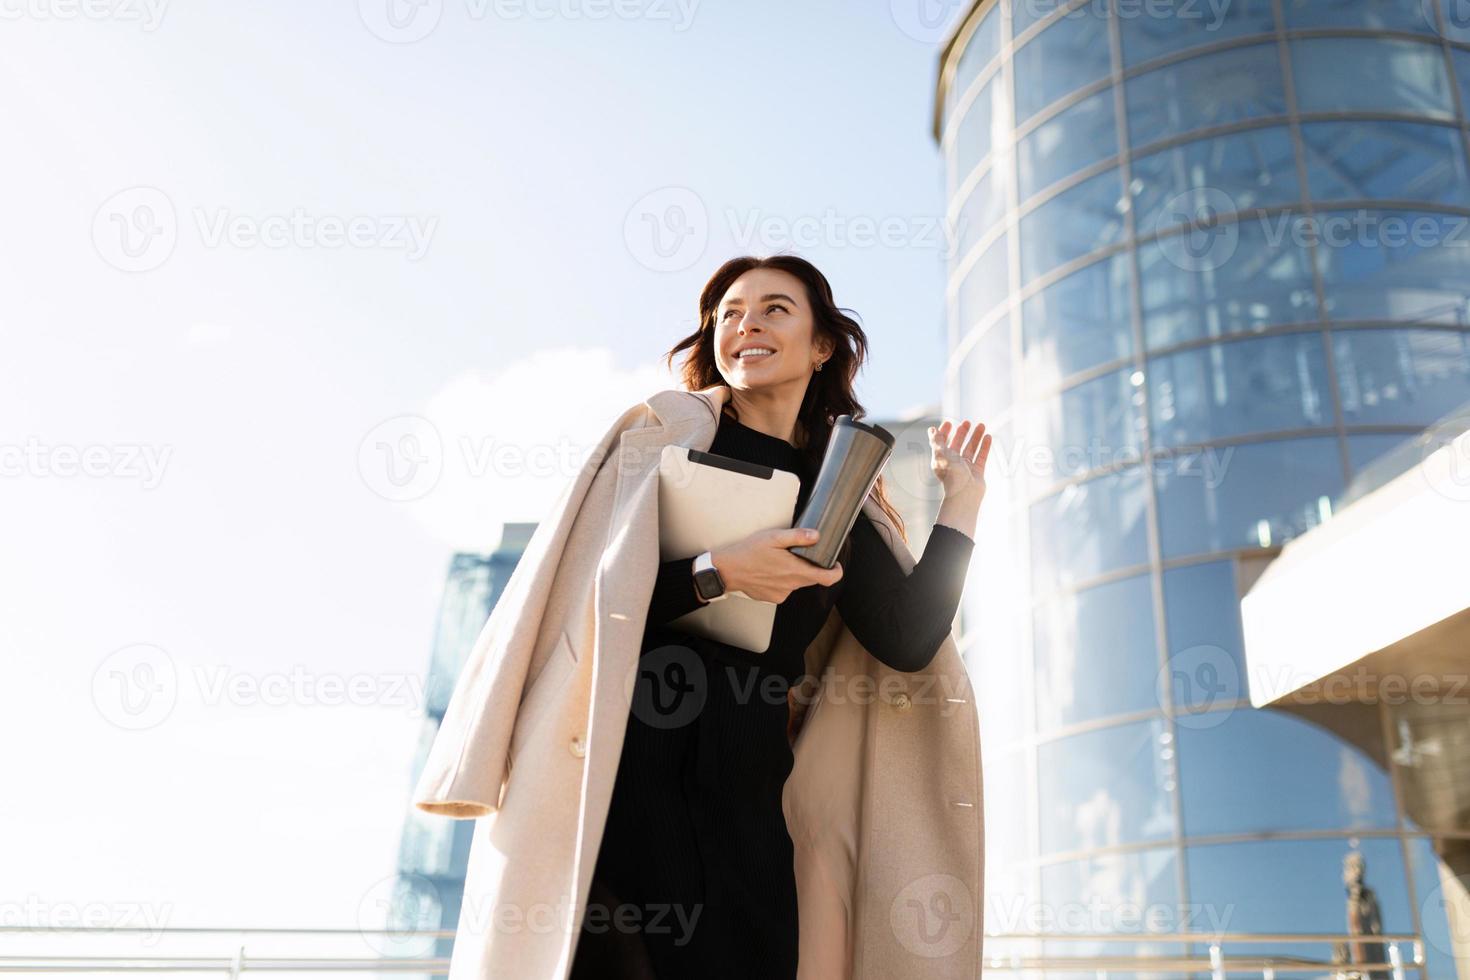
1213,260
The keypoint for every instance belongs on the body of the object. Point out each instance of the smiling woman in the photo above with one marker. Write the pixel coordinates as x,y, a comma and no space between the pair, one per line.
696,828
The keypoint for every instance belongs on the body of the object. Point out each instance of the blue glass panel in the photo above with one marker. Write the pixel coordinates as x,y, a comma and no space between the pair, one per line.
1234,278
1153,28
1440,938
1455,24
1404,377
1086,427
983,207
1068,54
985,387
1395,265
1383,15
1364,448
1248,770
1089,528
1253,169
1212,89
1409,161
1262,384
979,126
1107,787
1245,496
1109,624
1207,665
979,52
1068,226
985,284
1067,142
1078,322
1296,885
1342,74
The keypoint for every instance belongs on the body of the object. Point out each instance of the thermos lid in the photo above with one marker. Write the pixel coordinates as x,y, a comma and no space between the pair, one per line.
871,429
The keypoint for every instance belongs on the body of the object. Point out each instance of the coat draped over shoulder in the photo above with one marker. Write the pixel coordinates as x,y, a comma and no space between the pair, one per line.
883,803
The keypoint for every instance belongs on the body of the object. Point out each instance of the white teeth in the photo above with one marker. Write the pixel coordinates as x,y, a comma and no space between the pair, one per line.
756,351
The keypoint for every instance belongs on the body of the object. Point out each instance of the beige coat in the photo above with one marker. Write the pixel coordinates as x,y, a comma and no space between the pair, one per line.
883,803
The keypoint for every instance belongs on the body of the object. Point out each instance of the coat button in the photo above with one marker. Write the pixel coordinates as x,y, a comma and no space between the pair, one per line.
578,747
901,702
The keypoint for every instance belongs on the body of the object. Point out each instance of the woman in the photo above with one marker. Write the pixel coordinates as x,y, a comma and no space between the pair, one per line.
695,839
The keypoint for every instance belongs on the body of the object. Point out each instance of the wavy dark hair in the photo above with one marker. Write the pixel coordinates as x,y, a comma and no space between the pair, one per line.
829,392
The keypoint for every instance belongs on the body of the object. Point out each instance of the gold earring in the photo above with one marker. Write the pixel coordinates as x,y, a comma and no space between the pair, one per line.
819,365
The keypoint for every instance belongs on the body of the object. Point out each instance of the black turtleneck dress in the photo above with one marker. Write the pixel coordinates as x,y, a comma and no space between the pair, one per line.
694,877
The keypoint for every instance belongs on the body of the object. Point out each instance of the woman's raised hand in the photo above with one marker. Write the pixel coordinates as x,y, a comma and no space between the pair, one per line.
762,567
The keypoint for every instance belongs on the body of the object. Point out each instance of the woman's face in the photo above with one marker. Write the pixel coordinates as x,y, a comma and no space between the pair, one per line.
767,308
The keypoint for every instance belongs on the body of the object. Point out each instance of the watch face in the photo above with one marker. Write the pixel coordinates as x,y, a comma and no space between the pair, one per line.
709,583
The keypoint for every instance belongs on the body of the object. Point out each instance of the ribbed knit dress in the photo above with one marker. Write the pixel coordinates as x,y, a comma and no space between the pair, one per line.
694,877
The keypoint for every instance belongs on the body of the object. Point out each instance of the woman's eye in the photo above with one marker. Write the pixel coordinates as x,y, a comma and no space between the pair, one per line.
777,306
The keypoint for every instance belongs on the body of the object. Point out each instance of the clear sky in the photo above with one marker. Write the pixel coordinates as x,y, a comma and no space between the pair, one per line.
298,298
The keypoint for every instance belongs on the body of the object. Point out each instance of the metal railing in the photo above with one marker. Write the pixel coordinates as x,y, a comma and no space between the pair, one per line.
242,950
1214,963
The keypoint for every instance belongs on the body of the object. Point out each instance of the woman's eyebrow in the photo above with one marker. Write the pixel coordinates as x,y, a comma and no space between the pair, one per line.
766,298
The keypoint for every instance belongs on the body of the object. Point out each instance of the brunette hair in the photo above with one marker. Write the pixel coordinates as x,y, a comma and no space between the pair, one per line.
829,391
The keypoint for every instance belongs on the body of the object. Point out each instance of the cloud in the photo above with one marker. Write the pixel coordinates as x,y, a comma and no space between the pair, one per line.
511,440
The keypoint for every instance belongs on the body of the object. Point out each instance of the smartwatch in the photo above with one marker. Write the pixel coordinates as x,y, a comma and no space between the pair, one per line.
708,584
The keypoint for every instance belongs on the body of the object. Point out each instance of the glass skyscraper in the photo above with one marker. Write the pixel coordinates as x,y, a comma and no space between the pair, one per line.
1212,258
434,851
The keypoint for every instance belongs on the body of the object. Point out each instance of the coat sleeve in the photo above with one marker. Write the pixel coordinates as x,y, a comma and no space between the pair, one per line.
466,764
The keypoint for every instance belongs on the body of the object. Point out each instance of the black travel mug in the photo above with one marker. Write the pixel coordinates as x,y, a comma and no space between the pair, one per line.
856,452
